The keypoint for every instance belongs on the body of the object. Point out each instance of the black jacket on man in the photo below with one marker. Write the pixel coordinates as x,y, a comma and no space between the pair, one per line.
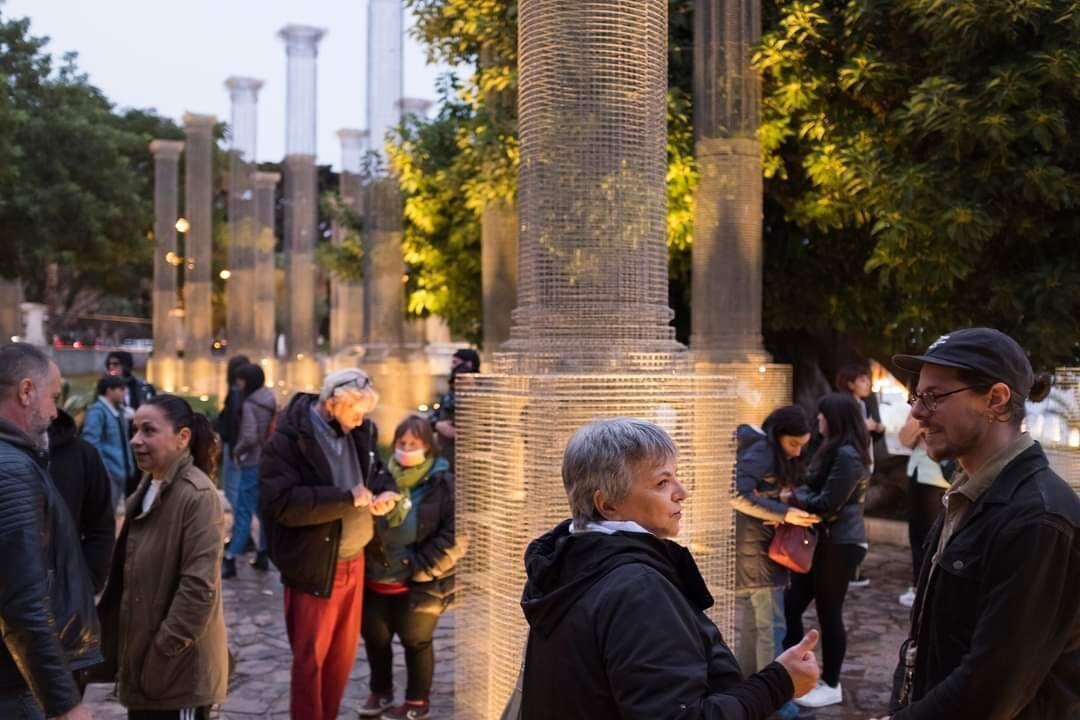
836,491
81,479
618,630
300,504
47,617
997,627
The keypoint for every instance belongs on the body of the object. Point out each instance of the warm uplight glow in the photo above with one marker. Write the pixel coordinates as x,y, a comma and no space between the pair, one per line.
182,225
204,398
404,278
173,259
225,274
422,408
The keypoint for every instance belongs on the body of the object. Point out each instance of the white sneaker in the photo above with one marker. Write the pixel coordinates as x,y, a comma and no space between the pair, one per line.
908,598
821,696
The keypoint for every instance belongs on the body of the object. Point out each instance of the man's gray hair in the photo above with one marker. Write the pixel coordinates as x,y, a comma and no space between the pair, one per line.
18,362
347,380
603,455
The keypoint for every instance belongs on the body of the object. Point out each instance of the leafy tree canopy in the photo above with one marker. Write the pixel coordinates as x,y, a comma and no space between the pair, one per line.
77,178
923,168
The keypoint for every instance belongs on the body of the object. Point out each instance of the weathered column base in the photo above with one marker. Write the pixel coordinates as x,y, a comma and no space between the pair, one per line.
760,387
164,373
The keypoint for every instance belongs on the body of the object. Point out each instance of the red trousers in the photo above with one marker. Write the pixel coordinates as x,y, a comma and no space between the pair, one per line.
324,634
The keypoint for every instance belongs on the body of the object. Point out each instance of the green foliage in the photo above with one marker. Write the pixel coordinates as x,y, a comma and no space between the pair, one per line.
77,179
923,169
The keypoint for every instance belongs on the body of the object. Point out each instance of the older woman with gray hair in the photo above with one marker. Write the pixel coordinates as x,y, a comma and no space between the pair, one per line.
617,627
320,483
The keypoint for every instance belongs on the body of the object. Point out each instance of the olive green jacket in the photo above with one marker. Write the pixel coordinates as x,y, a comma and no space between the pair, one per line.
162,615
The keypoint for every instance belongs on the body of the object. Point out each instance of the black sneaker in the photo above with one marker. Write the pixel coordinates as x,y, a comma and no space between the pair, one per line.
408,712
375,705
228,568
261,561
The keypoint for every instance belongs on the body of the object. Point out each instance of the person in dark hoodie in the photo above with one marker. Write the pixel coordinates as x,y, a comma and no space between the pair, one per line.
766,464
256,413
617,627
227,426
320,483
48,624
80,477
138,391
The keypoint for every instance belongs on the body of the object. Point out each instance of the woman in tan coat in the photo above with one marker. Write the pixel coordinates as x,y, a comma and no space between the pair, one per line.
162,616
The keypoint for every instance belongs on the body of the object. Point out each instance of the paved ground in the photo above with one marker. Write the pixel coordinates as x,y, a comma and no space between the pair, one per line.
260,685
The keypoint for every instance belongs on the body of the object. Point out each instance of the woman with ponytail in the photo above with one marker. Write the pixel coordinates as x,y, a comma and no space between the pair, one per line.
409,572
162,615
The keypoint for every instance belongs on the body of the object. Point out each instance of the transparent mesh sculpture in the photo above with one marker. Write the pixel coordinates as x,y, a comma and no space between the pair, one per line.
1063,451
591,335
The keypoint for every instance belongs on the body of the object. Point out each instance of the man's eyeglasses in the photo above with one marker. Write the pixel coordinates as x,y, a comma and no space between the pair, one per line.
358,383
931,399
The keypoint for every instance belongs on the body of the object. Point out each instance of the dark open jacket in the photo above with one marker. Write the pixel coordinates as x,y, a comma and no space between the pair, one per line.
80,477
47,617
836,491
300,504
998,624
757,501
437,549
617,630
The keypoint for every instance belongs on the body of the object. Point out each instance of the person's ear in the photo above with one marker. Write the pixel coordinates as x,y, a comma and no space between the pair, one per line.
605,507
999,398
25,393
185,437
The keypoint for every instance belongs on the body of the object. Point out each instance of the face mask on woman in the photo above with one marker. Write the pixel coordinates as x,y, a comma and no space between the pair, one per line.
409,458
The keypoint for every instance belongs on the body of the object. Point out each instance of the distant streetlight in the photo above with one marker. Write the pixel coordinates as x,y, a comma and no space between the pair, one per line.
224,274
182,225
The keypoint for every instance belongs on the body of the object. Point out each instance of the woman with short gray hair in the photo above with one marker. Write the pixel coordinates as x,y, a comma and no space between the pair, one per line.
616,607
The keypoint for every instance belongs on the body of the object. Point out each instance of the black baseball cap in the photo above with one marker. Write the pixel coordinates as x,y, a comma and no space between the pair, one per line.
986,351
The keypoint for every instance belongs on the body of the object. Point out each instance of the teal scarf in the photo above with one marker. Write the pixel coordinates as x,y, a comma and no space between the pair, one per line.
407,479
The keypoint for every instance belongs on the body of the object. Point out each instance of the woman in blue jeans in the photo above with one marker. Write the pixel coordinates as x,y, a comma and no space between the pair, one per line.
766,464
257,410
835,490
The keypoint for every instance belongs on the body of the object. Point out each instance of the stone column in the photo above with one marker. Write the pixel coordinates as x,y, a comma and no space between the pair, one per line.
240,288
162,368
384,316
347,296
385,69
265,307
727,255
198,309
11,297
301,201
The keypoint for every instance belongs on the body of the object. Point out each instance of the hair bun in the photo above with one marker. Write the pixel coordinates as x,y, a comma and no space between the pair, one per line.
1041,387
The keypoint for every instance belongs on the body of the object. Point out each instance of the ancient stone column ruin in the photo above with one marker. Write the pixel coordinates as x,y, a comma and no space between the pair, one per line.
265,274
727,251
301,203
163,366
591,335
240,287
199,375
347,294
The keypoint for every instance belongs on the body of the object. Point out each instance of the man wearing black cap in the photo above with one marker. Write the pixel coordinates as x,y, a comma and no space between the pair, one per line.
465,360
996,622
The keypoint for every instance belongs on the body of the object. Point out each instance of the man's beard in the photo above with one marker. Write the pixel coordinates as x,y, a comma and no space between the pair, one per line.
38,424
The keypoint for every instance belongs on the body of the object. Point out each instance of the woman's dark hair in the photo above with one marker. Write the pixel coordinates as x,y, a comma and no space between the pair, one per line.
127,362
846,427
791,421
419,427
204,441
235,363
108,382
849,374
1017,411
253,377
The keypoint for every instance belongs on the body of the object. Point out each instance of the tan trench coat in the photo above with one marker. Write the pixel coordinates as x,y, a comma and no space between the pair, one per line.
162,614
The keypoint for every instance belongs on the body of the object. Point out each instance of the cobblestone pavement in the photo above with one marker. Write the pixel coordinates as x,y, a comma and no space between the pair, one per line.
260,684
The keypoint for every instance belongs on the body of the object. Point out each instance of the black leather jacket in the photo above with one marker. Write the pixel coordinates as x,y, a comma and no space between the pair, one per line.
47,615
837,491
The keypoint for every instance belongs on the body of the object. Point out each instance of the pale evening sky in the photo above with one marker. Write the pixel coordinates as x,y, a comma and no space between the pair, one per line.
175,57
